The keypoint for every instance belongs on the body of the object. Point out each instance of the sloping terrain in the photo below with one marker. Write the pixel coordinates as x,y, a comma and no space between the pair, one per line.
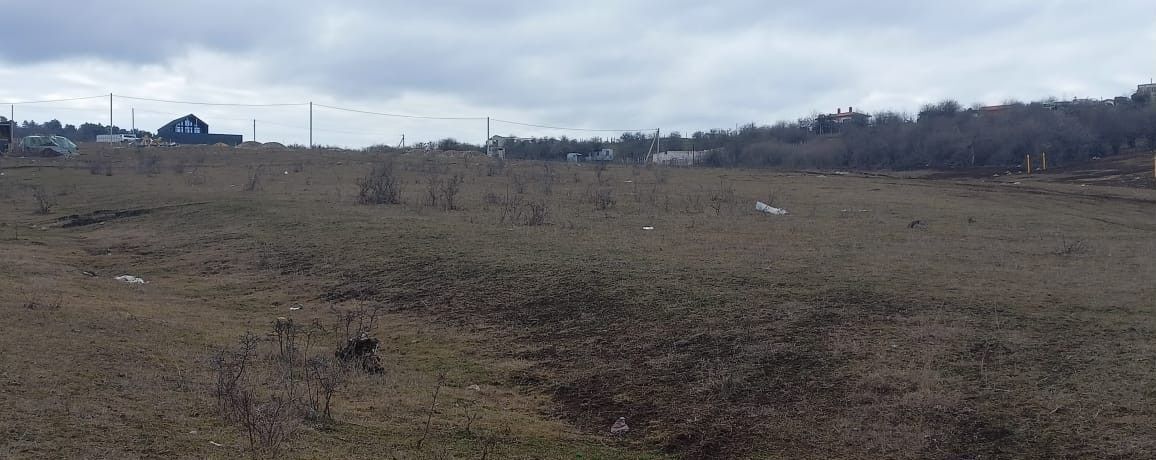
883,317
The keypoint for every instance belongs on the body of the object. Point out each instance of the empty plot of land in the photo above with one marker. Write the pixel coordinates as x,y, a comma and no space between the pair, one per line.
525,307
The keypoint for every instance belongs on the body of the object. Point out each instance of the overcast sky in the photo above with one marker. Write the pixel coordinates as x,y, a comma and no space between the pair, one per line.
679,65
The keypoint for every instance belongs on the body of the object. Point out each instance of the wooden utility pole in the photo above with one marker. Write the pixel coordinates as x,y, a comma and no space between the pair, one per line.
1028,160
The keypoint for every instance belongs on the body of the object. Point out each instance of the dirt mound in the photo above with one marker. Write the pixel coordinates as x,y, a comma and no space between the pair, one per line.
273,146
221,145
249,145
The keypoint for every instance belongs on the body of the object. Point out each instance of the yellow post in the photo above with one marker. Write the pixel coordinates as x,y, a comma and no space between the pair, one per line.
1028,161
1044,158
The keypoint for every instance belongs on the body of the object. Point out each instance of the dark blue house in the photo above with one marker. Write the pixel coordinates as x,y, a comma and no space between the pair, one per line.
192,130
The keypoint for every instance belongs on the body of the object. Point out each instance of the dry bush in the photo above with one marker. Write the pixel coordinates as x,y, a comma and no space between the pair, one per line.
547,178
661,175
433,190
44,199
518,182
495,167
449,191
380,186
195,176
723,197
253,180
603,199
1072,247
270,387
536,213
491,198
147,163
101,166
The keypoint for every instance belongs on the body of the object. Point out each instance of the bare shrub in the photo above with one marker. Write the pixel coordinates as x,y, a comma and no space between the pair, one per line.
179,166
195,176
44,199
547,178
35,300
269,387
536,213
661,175
599,173
518,182
354,330
491,198
253,181
495,167
449,191
1072,247
723,197
604,199
101,166
432,409
380,186
326,376
147,163
433,190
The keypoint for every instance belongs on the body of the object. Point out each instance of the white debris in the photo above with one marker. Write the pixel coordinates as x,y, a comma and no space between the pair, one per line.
216,444
130,279
648,228
295,308
619,427
475,387
286,173
763,207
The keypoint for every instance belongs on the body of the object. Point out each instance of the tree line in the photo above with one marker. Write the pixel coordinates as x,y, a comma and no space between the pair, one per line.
86,132
940,135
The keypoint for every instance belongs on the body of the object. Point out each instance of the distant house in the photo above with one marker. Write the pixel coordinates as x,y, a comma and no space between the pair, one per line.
574,157
496,146
681,157
1145,93
833,122
601,155
192,130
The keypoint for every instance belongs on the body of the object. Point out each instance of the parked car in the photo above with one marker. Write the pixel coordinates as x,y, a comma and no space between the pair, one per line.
48,146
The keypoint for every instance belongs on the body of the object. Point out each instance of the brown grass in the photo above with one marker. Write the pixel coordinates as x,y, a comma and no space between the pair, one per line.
836,331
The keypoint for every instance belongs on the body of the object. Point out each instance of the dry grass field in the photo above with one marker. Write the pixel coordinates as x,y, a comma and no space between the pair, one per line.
521,308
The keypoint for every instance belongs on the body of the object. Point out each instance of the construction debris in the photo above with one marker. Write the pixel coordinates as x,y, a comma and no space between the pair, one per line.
362,351
619,428
130,279
763,207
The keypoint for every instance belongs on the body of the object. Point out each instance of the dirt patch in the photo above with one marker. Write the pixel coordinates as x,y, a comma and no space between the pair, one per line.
99,217
102,216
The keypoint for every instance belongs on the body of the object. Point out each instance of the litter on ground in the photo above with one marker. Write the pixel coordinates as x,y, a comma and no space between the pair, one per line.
130,279
763,207
648,228
619,427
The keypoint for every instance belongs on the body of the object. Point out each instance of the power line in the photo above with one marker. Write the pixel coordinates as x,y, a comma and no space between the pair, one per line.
222,104
574,129
397,115
56,100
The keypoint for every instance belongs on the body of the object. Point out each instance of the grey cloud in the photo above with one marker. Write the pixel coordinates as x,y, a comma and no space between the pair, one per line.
694,64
